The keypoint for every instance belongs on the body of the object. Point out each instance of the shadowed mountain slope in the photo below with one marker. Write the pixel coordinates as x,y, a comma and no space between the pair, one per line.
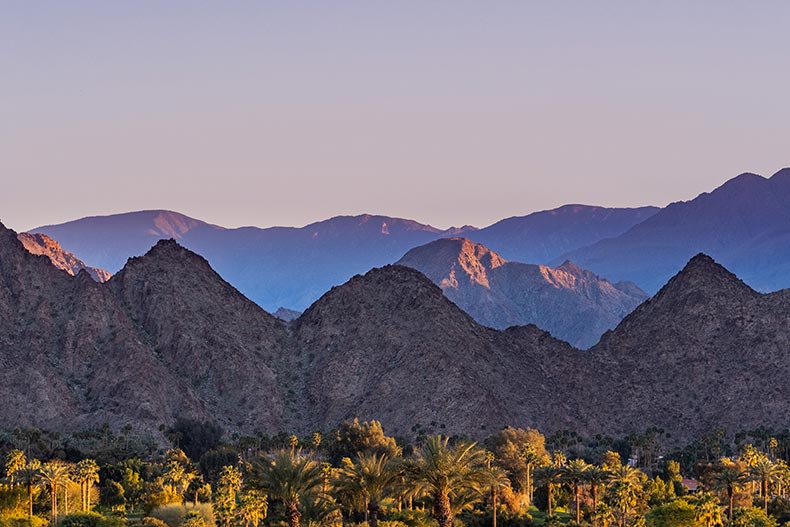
572,304
389,345
166,337
707,351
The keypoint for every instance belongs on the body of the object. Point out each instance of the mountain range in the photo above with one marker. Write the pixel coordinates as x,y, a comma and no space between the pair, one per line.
745,224
572,304
167,337
292,267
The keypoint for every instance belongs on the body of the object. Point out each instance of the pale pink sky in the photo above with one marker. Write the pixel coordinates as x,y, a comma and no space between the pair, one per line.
284,113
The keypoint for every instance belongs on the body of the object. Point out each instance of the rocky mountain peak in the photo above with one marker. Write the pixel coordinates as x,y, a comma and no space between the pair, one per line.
41,244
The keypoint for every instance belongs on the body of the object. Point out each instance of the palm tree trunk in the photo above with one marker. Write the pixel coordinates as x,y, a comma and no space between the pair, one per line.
54,500
373,517
731,498
765,495
594,494
550,491
292,514
576,499
442,512
30,500
493,505
529,484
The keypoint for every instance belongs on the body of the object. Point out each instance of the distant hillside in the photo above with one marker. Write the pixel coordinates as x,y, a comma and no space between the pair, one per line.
572,304
543,236
292,267
745,224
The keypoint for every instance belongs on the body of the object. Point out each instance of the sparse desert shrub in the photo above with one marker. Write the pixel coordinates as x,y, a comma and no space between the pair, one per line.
175,514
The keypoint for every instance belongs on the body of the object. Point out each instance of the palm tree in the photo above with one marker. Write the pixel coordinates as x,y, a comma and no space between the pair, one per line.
529,456
14,461
729,477
549,476
447,472
29,476
624,490
573,473
707,512
367,481
54,474
177,476
495,479
764,472
87,474
596,476
287,477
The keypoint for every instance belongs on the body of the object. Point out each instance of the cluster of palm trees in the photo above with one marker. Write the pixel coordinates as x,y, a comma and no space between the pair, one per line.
755,470
454,476
621,480
56,476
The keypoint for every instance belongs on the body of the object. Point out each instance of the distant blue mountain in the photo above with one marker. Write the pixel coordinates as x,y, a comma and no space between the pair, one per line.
744,224
292,267
543,236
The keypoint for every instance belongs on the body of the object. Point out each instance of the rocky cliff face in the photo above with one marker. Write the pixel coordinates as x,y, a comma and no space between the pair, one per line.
572,304
46,246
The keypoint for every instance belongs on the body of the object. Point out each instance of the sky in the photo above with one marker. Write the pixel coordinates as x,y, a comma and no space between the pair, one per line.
450,113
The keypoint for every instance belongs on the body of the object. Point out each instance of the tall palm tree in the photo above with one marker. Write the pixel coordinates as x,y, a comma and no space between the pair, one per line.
495,479
549,476
86,474
54,474
573,473
623,490
529,456
29,476
287,477
729,477
447,472
595,477
764,472
367,481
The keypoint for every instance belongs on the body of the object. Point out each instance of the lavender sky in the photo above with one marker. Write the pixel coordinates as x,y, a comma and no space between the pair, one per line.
282,113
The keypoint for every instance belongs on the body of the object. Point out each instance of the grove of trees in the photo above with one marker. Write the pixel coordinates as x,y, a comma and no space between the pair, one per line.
356,475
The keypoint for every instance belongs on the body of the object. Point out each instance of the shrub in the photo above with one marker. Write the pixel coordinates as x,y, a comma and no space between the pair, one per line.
413,518
752,517
90,519
22,521
174,514
678,513
148,521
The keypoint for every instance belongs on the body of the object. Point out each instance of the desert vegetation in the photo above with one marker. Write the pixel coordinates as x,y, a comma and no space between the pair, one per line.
356,475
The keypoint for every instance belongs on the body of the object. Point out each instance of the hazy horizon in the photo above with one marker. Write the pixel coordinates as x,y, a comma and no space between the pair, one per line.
446,113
